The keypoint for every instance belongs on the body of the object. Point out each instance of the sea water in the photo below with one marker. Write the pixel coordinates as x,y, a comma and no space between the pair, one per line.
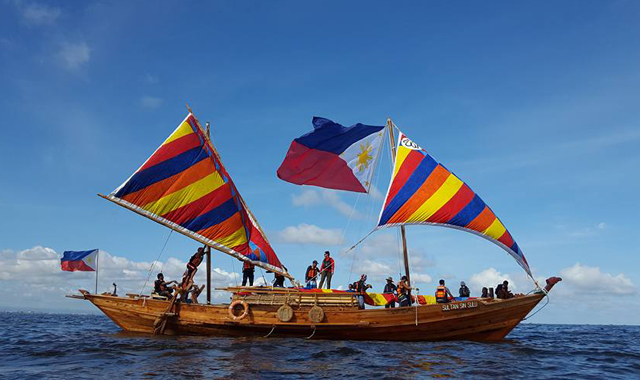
65,346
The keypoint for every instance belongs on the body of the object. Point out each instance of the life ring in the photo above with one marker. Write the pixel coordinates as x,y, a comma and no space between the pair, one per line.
245,310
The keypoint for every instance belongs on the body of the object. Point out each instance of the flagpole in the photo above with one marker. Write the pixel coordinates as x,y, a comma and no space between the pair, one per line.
97,268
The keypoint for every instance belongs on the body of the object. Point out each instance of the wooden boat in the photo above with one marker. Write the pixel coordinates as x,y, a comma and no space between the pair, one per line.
481,319
169,189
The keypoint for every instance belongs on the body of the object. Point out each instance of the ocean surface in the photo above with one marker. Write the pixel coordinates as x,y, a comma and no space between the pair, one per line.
66,346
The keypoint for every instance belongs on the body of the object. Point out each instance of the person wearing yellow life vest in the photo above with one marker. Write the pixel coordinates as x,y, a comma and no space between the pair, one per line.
443,295
404,292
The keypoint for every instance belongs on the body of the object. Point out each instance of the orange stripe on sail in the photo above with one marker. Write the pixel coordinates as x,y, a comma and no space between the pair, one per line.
172,184
426,190
482,221
224,229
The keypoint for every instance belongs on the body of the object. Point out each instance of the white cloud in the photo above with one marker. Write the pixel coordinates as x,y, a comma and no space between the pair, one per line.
35,274
583,279
375,193
310,234
150,102
490,278
375,270
39,14
421,278
307,198
74,55
331,198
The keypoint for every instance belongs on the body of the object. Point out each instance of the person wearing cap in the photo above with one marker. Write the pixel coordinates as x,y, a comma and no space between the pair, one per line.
361,288
390,288
311,275
464,290
326,270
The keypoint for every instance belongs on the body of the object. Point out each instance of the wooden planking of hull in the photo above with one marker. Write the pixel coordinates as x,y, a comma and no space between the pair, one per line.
477,319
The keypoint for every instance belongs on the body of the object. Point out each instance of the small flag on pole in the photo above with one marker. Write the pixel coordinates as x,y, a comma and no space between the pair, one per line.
85,261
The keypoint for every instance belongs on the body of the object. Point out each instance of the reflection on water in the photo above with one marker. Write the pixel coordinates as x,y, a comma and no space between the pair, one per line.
46,346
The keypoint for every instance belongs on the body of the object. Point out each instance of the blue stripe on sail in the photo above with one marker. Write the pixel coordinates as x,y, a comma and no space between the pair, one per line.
76,255
468,213
417,178
162,171
213,217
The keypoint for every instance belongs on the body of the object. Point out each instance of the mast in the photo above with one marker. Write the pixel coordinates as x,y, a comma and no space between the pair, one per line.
405,252
208,248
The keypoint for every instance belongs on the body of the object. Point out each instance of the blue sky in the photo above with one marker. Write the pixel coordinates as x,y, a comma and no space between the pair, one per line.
534,104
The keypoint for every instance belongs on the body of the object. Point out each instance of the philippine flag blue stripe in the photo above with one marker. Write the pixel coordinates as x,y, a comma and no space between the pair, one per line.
332,137
76,255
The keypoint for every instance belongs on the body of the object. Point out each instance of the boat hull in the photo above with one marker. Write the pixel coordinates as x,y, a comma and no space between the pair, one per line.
477,320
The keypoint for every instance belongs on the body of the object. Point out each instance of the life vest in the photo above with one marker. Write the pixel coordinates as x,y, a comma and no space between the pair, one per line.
311,273
441,293
247,265
327,265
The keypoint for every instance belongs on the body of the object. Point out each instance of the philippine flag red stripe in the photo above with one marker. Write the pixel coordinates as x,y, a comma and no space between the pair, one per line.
72,266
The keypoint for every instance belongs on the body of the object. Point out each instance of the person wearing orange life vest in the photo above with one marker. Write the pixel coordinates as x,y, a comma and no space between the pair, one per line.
248,270
311,274
404,292
443,295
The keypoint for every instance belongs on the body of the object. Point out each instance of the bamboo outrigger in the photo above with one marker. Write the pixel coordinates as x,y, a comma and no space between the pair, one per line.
184,184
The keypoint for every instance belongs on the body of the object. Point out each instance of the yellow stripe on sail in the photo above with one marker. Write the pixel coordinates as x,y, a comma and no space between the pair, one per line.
235,239
186,195
448,189
183,130
402,154
495,230
378,299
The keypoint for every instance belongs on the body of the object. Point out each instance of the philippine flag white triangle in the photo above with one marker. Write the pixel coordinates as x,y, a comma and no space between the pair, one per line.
362,156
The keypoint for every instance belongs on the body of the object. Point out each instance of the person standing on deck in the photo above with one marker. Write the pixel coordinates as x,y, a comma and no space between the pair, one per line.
248,270
443,294
327,269
404,292
310,277
192,268
361,288
390,288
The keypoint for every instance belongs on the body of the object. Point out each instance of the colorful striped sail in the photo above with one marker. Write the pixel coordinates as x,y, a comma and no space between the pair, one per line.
423,191
184,186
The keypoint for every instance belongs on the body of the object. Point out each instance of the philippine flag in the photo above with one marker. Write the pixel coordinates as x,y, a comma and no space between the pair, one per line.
333,156
80,260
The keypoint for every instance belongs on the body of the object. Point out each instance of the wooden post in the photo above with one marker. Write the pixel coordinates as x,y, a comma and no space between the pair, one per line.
405,252
208,248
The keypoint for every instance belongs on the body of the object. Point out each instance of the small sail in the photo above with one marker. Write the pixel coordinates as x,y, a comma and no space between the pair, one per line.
423,191
184,186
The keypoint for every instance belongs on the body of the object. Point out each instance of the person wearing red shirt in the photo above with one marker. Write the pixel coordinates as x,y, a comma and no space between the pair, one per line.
327,269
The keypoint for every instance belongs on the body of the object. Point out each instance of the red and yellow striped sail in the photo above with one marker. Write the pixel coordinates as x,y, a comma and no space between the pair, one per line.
184,186
423,191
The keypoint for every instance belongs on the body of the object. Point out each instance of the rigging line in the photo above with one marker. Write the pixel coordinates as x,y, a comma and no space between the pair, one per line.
154,263
543,306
